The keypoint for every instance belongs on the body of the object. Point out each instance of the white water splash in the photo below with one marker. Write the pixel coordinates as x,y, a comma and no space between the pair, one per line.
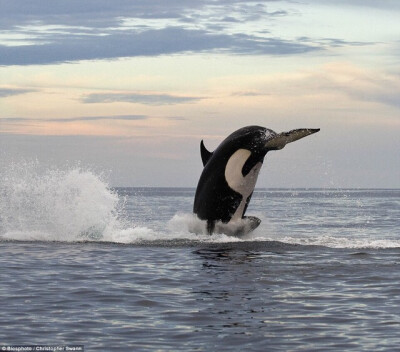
55,205
189,226
75,205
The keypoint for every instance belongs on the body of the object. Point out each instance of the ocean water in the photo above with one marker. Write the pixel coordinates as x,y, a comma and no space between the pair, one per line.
118,270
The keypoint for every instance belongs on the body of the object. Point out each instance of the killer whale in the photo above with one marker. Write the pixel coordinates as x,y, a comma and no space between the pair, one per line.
230,174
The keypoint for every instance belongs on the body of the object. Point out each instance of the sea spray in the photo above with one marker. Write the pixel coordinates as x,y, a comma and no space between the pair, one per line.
74,205
56,205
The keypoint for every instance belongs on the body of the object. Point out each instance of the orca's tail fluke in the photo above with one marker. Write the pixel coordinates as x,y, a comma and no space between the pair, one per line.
280,140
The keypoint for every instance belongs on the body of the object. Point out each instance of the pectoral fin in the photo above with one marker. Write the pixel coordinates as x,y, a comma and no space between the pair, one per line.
281,139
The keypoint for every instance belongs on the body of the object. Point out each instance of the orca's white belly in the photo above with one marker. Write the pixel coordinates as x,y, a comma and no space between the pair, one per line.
244,185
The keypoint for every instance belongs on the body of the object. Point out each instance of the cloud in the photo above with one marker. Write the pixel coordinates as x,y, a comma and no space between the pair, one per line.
25,120
94,12
383,90
154,42
15,119
102,13
177,118
75,119
69,31
383,5
331,42
248,94
7,92
97,118
335,80
73,30
361,84
147,99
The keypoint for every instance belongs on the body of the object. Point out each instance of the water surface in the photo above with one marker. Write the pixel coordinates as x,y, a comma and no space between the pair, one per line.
118,270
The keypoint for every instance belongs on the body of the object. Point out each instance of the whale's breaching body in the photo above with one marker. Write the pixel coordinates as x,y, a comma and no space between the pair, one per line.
230,175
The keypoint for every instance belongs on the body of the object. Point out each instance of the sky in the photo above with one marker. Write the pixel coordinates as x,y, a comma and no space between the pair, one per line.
129,88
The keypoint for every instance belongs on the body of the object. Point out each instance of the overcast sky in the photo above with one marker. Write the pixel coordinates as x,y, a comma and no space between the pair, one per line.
130,87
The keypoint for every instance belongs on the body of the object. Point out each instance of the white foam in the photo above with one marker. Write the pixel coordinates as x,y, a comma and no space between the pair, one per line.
340,242
189,226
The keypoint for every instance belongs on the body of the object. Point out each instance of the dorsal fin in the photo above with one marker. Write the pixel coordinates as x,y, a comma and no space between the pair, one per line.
205,154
